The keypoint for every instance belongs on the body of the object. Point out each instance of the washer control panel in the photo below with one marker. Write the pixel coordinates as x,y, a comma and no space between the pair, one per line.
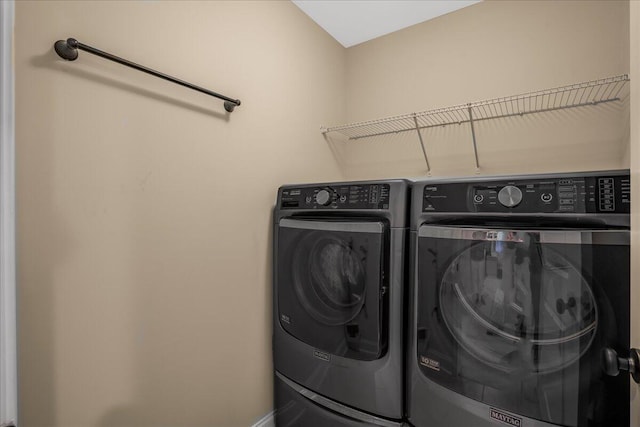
589,194
363,196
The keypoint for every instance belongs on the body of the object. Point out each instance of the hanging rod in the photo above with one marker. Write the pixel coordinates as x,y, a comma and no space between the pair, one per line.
68,49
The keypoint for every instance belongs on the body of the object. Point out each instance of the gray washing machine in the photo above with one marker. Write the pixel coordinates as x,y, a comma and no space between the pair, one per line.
520,302
338,303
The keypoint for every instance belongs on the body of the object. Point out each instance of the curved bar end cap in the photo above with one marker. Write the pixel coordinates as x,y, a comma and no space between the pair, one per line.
67,49
230,106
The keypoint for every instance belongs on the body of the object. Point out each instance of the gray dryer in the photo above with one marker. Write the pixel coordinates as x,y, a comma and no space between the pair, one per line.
338,276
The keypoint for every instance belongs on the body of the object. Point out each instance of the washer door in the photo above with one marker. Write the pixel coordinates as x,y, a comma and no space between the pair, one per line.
518,319
330,287
494,311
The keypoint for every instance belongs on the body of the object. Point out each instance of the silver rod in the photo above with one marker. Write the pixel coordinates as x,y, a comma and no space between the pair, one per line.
381,127
400,125
568,101
495,108
450,117
584,92
367,135
441,117
610,88
597,97
563,107
424,152
430,119
557,103
484,111
562,93
456,116
575,95
473,136
571,92
590,92
462,116
620,89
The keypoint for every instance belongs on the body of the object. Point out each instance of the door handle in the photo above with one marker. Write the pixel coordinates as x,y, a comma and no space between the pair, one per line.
612,364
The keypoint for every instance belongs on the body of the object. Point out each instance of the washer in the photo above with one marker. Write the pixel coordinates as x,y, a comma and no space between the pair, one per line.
520,301
338,303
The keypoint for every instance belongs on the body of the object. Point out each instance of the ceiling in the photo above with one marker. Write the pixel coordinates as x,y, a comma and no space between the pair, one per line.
351,22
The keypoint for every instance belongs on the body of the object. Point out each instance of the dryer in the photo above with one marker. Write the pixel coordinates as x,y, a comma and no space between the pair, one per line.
520,301
338,303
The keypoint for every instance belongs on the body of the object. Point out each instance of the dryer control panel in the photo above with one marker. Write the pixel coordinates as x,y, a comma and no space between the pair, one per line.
356,196
576,194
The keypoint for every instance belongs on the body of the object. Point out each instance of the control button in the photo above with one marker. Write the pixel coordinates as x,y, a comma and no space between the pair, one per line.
510,196
343,198
546,197
478,198
323,197
308,199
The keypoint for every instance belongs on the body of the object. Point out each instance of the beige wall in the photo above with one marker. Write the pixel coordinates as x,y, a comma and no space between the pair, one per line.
144,209
491,49
635,207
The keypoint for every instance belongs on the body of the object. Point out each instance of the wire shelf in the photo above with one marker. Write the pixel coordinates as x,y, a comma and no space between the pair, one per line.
589,93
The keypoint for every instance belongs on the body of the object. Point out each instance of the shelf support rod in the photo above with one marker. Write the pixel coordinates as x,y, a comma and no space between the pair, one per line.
68,49
473,136
424,151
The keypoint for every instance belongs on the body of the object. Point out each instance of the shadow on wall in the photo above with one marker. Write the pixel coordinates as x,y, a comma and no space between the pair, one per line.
388,156
159,356
49,244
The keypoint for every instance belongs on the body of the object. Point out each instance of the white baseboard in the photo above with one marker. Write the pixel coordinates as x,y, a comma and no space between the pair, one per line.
266,421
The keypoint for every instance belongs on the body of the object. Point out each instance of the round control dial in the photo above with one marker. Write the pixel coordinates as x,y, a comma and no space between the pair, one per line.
510,196
323,197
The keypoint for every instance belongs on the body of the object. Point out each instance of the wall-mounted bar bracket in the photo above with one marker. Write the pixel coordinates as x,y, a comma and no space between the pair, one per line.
424,151
68,49
473,138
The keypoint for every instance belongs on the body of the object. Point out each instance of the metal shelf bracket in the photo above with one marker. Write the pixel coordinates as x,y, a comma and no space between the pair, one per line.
424,151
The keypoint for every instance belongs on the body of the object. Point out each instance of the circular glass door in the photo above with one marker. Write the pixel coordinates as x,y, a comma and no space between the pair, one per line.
518,306
329,278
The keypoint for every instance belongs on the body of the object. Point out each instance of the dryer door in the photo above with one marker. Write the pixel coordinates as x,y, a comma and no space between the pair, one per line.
519,319
331,285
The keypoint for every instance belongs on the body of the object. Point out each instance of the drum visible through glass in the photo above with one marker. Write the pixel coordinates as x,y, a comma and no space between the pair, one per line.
330,279
518,306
